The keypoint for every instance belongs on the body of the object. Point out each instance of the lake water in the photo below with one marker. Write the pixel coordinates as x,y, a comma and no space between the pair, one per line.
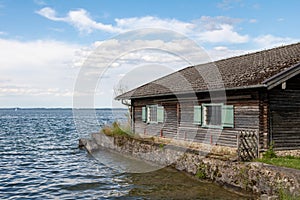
39,159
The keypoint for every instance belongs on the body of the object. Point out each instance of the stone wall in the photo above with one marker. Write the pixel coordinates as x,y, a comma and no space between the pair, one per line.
254,177
295,152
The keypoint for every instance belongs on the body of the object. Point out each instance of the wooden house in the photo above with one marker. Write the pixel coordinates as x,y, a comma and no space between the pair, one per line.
262,94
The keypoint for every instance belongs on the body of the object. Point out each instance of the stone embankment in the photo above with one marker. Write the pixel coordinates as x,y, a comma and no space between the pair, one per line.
258,178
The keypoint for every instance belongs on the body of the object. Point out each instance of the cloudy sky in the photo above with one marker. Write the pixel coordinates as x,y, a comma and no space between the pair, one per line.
48,47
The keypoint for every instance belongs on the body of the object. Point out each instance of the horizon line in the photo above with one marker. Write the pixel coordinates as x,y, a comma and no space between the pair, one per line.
58,108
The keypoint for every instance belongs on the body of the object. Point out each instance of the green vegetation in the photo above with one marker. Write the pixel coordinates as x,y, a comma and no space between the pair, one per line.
283,195
161,146
116,130
270,152
200,175
201,172
286,161
270,157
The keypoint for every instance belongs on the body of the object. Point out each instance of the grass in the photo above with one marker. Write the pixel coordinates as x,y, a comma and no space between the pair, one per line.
270,157
200,174
286,161
283,195
161,146
116,130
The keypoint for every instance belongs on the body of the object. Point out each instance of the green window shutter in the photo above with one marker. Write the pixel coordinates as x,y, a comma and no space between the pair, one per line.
160,114
227,116
144,114
197,114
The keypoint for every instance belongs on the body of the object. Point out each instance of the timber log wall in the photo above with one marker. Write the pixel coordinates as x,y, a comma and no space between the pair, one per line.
285,115
179,113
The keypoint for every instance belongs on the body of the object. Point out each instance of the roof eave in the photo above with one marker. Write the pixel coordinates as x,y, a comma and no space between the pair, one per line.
193,92
282,77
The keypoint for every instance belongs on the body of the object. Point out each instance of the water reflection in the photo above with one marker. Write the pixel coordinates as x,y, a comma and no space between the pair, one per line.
168,183
39,159
160,183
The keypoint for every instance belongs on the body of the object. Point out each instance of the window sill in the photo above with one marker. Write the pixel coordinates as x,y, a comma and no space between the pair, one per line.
212,126
151,122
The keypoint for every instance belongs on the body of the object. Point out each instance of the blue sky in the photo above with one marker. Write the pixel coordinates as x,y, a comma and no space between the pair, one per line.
44,44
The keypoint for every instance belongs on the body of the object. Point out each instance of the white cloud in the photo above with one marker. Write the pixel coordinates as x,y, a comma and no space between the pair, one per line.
268,41
220,52
50,14
206,29
136,51
229,4
83,22
213,23
79,19
220,48
256,6
224,34
35,54
19,90
253,21
60,30
36,68
154,22
40,2
115,64
218,29
39,72
42,73
280,19
120,55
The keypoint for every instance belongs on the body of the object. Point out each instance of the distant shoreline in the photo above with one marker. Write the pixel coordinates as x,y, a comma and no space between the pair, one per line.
62,108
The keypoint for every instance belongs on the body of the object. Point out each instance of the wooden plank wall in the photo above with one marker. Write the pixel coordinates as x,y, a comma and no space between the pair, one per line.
141,128
285,115
179,119
264,127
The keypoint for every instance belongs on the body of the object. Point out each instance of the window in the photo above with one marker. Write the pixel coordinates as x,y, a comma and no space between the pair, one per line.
153,114
214,115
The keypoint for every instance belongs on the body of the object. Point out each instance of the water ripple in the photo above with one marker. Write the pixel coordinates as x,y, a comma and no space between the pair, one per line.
39,159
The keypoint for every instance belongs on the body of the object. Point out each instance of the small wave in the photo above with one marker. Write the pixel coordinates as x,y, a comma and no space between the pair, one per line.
83,186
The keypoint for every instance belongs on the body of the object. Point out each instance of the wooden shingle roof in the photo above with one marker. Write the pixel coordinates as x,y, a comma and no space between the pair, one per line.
245,71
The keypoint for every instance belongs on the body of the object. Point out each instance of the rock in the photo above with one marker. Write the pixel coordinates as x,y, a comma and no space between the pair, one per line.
266,197
255,177
82,143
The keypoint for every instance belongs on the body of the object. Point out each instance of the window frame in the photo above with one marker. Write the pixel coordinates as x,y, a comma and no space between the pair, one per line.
227,115
204,114
146,114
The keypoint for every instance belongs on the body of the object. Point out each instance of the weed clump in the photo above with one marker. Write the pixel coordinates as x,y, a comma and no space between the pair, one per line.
201,172
270,153
116,130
